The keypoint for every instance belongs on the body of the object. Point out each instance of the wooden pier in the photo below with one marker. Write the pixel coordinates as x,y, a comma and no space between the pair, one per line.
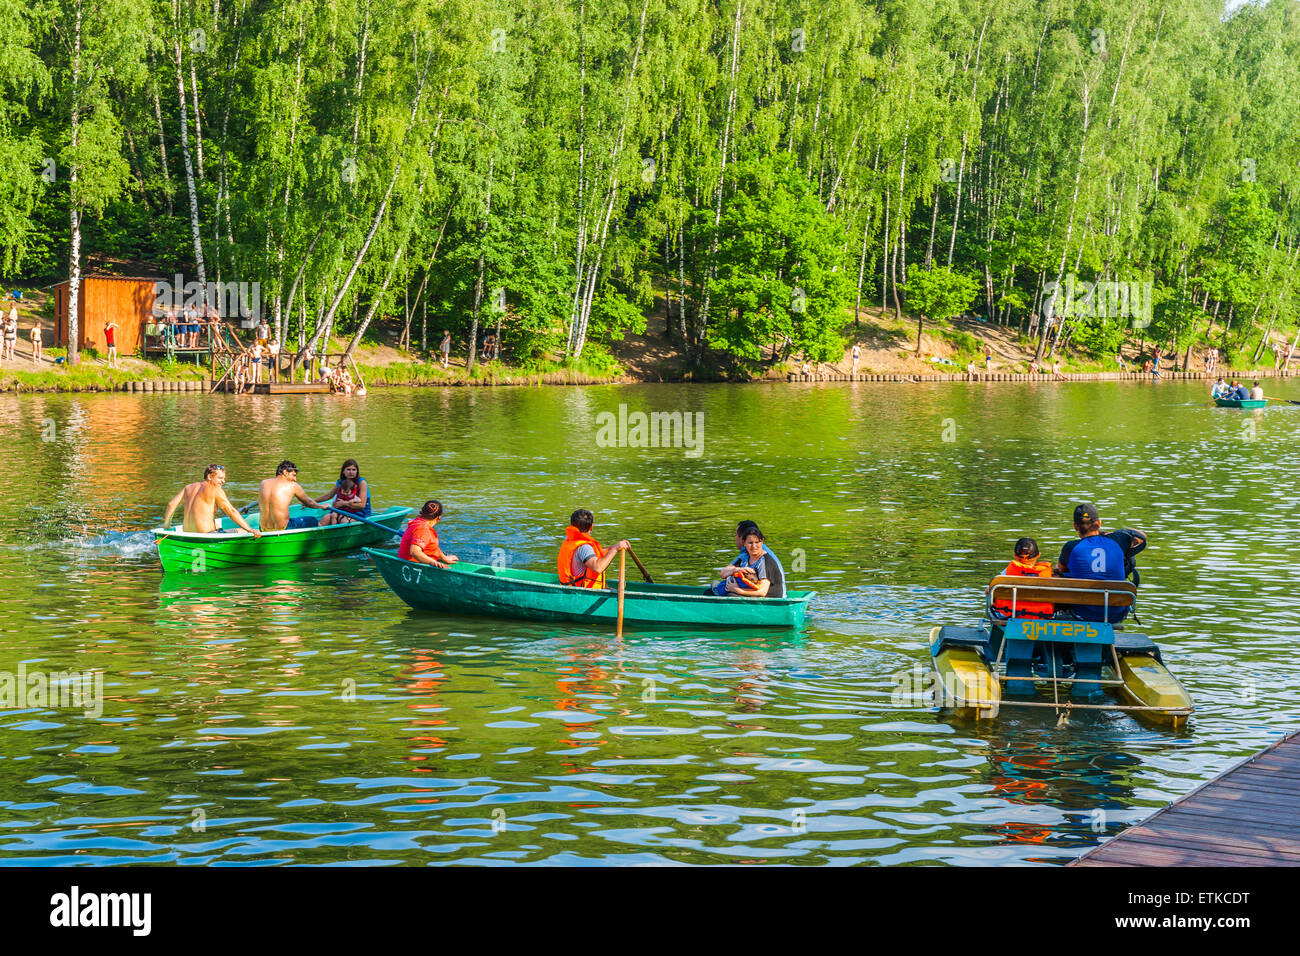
291,388
1247,816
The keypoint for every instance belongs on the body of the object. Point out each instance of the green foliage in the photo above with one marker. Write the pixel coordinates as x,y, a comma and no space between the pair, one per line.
776,275
573,156
940,293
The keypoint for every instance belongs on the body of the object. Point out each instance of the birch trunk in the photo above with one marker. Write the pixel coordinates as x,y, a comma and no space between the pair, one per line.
74,209
478,278
189,173
374,227
162,149
1069,228
702,321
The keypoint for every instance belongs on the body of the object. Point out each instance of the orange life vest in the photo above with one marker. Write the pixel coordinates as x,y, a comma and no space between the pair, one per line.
1017,568
574,539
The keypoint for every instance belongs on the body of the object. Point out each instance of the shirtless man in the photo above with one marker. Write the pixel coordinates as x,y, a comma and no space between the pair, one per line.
274,495
202,498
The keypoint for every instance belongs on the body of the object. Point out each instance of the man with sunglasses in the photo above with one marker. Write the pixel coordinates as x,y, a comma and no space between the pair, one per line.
275,495
202,499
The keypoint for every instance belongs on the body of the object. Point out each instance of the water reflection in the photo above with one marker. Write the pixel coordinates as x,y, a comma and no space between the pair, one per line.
315,718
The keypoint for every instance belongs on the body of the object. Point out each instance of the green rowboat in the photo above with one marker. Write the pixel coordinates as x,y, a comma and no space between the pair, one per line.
229,546
481,589
1241,402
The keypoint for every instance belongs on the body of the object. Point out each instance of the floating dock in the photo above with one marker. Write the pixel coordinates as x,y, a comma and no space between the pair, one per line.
291,388
1247,816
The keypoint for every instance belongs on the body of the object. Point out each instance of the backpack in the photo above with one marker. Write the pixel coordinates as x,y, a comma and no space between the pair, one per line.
1131,543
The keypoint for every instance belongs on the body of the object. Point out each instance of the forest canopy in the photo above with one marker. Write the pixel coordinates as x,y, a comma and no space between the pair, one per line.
545,168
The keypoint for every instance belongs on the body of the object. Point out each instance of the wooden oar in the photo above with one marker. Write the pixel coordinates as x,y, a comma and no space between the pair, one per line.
622,563
641,567
1291,401
356,517
251,506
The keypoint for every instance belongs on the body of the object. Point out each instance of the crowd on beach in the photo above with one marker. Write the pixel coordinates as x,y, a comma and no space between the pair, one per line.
265,353
9,330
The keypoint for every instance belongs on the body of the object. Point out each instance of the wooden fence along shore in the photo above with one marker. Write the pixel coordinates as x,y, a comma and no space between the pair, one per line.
981,376
204,385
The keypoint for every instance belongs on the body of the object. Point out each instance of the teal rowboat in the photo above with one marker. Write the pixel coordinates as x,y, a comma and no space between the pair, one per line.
1241,402
229,545
533,596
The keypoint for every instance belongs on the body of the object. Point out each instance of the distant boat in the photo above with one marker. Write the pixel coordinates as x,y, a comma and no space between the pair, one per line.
1241,402
481,589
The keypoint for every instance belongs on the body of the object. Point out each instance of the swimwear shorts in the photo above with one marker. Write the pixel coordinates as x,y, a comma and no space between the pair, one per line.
302,521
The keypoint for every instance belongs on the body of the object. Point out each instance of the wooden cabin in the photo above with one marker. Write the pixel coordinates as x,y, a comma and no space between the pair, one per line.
126,300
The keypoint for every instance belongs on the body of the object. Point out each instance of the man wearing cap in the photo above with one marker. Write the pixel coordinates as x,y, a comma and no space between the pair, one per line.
1092,557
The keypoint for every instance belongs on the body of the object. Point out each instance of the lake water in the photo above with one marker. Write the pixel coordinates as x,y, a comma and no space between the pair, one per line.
306,715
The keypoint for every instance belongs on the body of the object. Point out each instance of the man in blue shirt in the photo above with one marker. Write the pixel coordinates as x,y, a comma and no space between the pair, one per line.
1092,557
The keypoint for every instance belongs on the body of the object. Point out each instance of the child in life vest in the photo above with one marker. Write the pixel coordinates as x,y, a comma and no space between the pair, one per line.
1026,563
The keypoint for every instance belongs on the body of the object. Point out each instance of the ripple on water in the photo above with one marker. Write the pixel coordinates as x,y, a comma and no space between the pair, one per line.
302,716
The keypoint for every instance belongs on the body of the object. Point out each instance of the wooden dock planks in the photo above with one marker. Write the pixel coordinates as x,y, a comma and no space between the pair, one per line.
1247,816
291,388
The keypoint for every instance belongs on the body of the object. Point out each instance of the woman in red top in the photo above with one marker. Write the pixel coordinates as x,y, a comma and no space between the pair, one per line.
420,540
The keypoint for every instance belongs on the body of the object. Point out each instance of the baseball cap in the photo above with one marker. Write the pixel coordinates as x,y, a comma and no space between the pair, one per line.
1087,512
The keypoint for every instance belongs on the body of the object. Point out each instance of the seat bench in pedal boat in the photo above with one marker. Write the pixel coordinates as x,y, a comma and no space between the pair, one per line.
479,589
1015,659
230,545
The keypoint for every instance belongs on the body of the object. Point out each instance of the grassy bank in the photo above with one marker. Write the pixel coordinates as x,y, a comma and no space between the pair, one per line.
419,373
91,376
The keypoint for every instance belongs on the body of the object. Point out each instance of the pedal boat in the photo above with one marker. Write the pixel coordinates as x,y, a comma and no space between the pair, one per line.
1058,662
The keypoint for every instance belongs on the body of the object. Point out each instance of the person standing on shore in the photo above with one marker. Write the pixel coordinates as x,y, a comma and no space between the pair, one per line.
857,353
445,347
110,336
1119,357
37,341
10,334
